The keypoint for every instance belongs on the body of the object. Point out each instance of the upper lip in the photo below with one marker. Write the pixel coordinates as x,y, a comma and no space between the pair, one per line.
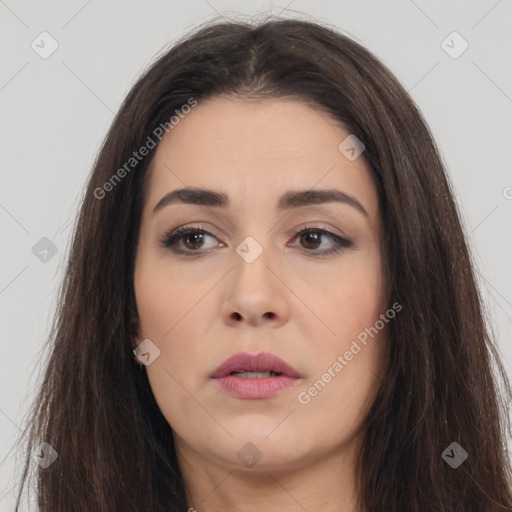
262,362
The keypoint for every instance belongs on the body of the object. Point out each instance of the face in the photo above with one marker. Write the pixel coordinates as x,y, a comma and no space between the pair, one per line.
256,271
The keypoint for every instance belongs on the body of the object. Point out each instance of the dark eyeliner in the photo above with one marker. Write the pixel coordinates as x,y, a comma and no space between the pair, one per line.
171,237
341,243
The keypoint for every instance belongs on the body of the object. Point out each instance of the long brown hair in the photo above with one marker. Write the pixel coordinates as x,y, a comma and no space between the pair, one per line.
95,407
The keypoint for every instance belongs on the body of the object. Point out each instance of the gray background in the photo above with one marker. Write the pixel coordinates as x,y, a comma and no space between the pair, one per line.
54,114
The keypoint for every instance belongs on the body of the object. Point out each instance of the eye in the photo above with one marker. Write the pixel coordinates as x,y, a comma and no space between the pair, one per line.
311,238
189,240
191,236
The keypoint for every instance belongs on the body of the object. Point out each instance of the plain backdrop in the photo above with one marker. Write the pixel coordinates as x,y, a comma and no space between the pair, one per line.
55,110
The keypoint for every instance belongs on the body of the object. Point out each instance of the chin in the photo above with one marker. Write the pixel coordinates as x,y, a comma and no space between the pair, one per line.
253,449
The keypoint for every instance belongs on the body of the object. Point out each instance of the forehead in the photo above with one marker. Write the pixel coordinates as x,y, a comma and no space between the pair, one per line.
257,149
283,127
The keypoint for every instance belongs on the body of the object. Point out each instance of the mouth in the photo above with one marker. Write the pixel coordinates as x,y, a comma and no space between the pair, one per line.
255,376
254,366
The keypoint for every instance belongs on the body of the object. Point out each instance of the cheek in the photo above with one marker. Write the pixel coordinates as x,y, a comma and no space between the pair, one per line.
348,363
169,307
349,303
167,315
163,298
343,384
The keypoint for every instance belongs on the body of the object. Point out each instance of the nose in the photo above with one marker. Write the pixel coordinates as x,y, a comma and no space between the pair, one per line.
257,293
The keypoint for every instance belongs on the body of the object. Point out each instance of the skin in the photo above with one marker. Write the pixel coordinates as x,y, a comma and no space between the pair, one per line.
188,305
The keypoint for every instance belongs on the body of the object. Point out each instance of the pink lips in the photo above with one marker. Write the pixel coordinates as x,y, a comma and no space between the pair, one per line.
256,387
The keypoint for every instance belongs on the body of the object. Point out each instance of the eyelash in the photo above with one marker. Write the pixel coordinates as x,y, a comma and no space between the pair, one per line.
171,237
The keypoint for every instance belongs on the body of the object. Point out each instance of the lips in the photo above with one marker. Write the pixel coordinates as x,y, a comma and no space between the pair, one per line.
262,362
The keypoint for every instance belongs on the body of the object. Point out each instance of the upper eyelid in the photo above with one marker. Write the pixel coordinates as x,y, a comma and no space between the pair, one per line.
320,225
183,230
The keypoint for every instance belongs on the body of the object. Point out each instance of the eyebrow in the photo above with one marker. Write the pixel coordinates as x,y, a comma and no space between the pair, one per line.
289,200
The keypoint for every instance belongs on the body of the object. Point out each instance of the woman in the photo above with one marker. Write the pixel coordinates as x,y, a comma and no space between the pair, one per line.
269,302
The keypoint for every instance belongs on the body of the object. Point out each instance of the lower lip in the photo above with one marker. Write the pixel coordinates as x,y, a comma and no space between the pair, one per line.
263,387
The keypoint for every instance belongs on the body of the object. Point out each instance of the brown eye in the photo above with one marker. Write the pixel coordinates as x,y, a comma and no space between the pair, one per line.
195,240
191,241
311,239
186,240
